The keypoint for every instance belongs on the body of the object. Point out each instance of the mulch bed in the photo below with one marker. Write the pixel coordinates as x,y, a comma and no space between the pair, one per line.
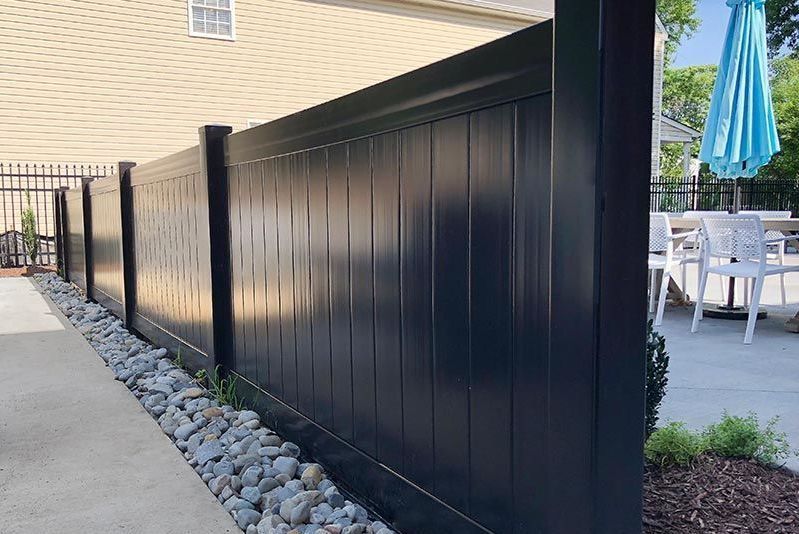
720,495
8,272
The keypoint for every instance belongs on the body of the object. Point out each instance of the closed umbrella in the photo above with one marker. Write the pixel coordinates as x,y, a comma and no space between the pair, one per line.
741,133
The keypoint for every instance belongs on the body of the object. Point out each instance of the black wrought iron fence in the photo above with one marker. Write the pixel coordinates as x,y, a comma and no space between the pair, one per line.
678,194
32,184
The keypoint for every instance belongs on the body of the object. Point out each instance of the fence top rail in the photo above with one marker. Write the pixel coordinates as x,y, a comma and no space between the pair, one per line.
106,184
178,164
74,193
513,67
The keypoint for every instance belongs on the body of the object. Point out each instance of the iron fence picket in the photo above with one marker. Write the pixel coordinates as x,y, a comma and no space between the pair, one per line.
680,194
39,180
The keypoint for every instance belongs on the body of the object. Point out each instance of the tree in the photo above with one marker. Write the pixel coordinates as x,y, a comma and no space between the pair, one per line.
785,94
681,22
686,93
782,25
686,98
30,236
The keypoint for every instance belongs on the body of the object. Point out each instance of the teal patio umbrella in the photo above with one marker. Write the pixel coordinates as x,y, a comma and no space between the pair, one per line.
740,132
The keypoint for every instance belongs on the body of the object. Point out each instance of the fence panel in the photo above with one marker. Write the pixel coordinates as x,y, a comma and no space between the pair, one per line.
376,295
75,238
33,184
171,268
104,229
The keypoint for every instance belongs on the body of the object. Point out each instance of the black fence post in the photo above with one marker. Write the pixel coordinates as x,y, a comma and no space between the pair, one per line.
58,223
128,250
64,223
214,172
88,267
602,114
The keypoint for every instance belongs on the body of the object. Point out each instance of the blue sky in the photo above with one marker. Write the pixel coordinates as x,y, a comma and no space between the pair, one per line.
705,46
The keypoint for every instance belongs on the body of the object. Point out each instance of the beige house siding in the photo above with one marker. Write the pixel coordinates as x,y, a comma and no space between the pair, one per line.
106,80
657,94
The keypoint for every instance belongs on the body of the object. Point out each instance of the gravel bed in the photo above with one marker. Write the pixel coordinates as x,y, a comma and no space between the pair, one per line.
260,479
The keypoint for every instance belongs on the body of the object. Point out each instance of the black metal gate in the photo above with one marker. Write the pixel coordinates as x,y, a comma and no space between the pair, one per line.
32,184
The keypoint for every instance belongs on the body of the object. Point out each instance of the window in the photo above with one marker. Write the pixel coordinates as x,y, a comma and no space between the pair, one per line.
211,18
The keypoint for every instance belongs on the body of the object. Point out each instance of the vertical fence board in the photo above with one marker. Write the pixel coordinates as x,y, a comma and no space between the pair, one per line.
491,194
272,268
387,318
340,327
417,336
320,286
362,299
260,304
287,282
298,166
450,161
531,299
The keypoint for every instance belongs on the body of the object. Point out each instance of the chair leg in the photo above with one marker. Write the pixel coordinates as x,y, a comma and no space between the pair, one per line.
781,256
684,282
664,290
753,309
722,285
700,298
652,291
746,292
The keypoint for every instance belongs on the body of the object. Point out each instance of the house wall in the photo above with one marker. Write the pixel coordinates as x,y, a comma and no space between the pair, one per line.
657,96
109,80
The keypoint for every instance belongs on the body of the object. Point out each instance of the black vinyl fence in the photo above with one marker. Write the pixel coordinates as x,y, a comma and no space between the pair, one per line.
377,273
33,184
713,194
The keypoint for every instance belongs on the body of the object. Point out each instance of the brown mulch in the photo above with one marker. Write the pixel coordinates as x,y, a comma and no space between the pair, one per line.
720,495
7,272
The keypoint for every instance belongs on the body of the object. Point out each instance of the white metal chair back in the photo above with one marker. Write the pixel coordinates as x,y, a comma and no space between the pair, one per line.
770,234
659,232
738,236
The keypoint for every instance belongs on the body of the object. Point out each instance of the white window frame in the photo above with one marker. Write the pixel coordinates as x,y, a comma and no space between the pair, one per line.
231,37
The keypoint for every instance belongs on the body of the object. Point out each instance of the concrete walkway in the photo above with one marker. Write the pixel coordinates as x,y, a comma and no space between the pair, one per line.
712,370
78,454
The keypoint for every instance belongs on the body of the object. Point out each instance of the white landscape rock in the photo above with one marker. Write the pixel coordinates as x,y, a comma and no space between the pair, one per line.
257,476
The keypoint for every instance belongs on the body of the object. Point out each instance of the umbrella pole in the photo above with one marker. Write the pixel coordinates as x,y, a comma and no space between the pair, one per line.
736,207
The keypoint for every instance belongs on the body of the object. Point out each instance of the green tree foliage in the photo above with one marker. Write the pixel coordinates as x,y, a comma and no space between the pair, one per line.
782,25
686,98
30,236
681,22
785,94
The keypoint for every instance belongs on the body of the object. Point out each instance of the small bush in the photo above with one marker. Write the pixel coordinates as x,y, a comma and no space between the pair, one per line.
30,237
673,445
657,369
742,437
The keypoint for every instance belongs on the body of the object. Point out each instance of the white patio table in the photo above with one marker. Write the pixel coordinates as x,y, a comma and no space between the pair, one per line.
786,226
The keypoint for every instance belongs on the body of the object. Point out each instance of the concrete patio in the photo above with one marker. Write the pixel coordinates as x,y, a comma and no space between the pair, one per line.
712,370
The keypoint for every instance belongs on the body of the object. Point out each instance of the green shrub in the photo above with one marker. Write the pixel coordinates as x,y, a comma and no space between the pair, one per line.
30,237
673,445
742,437
657,369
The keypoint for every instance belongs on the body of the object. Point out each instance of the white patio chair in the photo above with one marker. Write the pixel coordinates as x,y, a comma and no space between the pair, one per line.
663,255
777,250
696,242
742,237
